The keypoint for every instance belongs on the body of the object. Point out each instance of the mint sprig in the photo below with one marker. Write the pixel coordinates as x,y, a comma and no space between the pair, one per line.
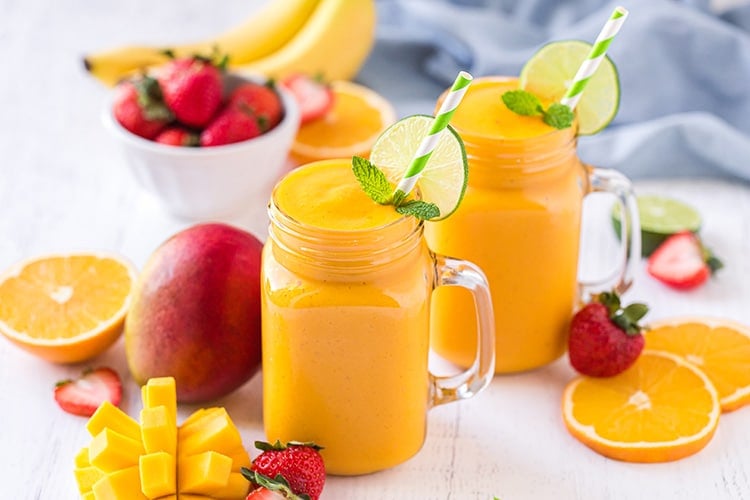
373,181
375,184
525,103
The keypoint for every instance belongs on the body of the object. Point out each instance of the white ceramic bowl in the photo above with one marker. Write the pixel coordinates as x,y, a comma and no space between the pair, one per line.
211,182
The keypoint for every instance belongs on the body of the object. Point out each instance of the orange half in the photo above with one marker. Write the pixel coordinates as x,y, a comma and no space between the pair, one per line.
66,308
358,116
660,409
719,347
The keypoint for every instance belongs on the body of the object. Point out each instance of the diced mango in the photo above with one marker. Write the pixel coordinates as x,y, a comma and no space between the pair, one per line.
158,472
86,477
240,458
108,415
124,484
111,451
82,457
158,430
89,495
203,473
237,487
213,432
196,420
161,391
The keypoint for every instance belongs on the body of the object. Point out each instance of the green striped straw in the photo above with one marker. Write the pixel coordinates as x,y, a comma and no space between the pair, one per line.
598,52
427,146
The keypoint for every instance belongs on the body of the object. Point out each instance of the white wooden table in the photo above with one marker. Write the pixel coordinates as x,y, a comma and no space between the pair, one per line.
63,188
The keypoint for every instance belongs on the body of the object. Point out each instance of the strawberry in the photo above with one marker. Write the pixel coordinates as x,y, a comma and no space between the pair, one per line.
83,396
682,261
138,106
261,100
299,463
270,489
178,136
233,124
605,339
314,98
192,88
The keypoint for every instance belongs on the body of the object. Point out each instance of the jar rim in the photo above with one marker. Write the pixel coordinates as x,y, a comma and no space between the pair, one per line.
468,135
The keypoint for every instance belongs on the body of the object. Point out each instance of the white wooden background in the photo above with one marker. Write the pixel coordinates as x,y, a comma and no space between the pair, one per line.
63,187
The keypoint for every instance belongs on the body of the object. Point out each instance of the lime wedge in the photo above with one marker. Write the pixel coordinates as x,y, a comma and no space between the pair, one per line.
443,180
660,218
550,72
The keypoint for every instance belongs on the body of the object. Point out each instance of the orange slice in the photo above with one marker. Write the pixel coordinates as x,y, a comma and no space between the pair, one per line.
660,409
357,118
66,308
721,348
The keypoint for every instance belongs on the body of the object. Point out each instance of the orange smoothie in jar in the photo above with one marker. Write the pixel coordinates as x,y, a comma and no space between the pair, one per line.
520,222
346,289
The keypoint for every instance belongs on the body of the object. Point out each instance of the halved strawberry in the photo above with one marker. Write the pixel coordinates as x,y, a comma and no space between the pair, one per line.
682,261
314,97
83,396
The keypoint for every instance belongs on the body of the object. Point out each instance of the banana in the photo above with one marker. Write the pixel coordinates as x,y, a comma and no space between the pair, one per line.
334,43
263,33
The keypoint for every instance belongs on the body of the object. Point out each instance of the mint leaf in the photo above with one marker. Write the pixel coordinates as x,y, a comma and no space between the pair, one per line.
522,102
372,180
419,209
559,116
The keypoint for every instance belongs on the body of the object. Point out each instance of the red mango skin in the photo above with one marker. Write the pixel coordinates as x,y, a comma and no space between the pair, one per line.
195,313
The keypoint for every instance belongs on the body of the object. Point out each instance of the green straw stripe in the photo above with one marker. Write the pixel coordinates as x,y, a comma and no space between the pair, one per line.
594,58
578,87
429,142
600,48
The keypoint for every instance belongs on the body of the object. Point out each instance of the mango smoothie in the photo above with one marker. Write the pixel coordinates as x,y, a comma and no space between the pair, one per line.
346,289
520,222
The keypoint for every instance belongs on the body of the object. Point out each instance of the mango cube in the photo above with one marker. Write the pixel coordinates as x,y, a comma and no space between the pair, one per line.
161,391
203,473
213,432
240,458
111,451
89,495
196,421
82,457
86,477
110,416
158,473
158,430
124,484
237,487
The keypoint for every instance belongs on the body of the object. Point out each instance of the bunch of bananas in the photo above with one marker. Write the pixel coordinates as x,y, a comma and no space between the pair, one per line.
330,38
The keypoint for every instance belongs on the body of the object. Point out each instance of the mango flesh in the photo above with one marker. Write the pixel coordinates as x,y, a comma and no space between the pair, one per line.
200,459
195,314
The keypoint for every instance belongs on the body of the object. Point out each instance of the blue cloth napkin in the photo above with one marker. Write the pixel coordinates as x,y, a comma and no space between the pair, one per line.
684,71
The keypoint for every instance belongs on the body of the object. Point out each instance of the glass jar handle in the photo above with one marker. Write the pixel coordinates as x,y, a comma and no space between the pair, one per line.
604,180
445,389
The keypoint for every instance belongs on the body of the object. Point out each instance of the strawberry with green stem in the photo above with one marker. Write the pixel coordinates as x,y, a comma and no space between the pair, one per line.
139,107
193,88
300,463
605,339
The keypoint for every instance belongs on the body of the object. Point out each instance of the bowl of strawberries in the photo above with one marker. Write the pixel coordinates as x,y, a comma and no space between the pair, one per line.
204,142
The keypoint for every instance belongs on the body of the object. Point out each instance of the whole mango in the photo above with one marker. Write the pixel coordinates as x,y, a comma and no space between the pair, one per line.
195,314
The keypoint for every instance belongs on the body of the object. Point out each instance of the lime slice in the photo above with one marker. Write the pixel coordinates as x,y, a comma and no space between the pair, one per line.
550,72
443,180
660,218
